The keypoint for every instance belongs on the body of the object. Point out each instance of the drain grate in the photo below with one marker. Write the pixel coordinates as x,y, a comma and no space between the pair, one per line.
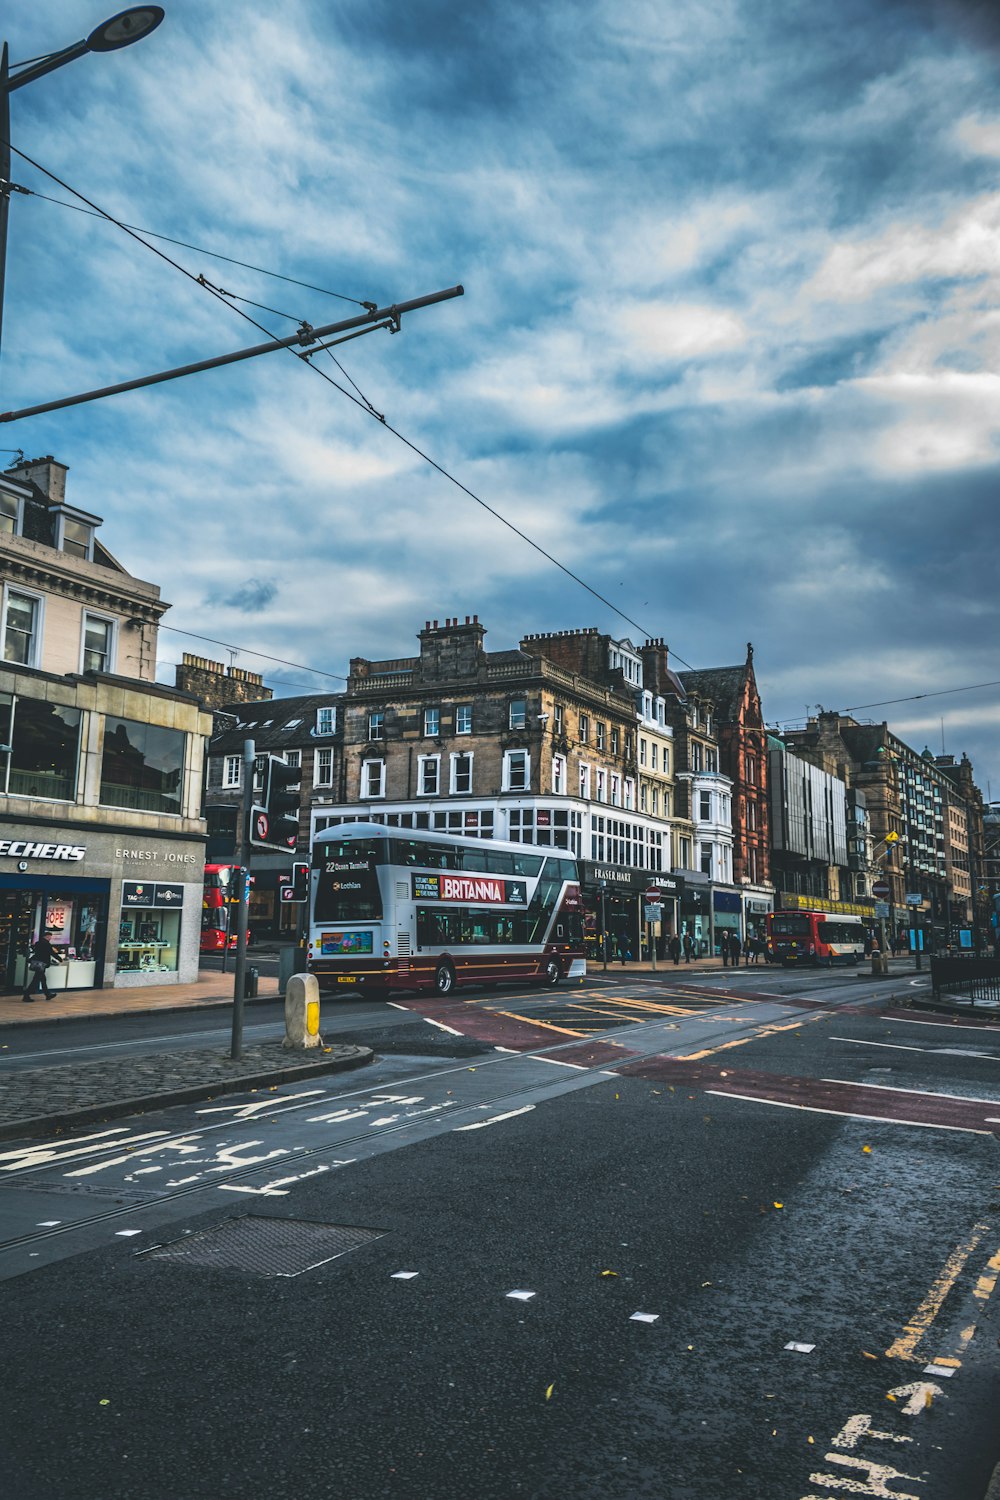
265,1247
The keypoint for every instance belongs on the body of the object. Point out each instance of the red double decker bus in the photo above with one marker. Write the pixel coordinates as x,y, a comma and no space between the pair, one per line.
220,900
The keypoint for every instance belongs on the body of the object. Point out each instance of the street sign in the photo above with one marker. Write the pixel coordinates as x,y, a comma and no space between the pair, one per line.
652,911
914,898
881,909
881,889
654,894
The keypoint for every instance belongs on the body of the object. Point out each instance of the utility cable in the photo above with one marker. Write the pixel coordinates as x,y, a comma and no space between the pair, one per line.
95,213
909,698
246,651
362,403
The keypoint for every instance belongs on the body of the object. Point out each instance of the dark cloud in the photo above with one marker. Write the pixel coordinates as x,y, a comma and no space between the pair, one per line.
250,597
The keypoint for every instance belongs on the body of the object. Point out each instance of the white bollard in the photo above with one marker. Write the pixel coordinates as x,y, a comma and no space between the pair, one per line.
302,1012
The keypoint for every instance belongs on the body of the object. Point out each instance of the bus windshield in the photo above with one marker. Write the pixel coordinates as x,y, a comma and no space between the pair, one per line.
347,889
791,926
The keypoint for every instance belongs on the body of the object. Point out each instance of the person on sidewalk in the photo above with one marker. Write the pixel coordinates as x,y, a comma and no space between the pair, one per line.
675,948
41,957
735,949
724,949
688,947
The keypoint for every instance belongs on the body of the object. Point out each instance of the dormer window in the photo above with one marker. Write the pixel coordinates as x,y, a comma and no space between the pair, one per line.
326,720
76,537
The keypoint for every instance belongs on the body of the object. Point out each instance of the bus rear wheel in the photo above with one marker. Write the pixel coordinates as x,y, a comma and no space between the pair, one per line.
553,974
444,979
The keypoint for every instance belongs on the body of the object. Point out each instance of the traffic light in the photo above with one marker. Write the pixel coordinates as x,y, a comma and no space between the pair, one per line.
294,887
275,824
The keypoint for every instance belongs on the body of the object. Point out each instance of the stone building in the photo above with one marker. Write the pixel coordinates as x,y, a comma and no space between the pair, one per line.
926,822
742,750
539,744
307,732
219,686
101,767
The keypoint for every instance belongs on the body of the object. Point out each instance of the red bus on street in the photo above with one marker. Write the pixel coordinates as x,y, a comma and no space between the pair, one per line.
220,899
815,937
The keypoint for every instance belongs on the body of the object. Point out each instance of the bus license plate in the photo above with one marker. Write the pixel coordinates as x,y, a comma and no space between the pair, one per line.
346,979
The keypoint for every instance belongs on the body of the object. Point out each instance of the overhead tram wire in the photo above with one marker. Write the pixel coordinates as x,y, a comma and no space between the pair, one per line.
263,656
94,213
363,404
970,687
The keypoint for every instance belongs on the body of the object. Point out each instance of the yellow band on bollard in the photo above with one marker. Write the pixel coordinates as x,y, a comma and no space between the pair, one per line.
312,1017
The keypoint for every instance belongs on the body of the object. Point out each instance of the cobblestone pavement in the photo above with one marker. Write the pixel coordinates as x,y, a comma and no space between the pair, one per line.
42,1099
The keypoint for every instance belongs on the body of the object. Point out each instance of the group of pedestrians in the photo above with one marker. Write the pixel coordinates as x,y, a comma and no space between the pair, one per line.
677,946
731,949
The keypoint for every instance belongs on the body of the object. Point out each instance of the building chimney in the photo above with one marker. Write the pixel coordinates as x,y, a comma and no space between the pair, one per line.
46,473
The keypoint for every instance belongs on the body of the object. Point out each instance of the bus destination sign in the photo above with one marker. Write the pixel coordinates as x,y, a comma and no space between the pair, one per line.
479,890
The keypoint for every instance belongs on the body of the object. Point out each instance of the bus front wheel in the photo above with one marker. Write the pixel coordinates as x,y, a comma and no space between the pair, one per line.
444,979
553,973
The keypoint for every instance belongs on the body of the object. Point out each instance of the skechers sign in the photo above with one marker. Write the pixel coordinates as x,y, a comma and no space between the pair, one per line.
22,849
480,890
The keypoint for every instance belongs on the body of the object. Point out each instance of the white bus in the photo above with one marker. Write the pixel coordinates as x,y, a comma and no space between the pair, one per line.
400,908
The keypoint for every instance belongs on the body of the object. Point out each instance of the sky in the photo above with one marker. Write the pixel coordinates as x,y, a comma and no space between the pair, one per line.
728,350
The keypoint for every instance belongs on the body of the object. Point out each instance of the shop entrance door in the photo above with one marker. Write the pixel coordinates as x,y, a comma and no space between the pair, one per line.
16,909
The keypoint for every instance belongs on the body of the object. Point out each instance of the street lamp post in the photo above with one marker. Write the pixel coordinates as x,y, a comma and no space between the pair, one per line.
119,31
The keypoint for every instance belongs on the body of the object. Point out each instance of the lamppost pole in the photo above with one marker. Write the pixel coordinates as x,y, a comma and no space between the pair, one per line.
118,31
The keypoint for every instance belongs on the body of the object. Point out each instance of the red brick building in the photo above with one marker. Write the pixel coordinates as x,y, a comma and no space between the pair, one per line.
742,742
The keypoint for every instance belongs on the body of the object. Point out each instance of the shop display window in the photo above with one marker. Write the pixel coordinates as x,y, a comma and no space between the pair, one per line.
40,748
142,766
150,927
70,922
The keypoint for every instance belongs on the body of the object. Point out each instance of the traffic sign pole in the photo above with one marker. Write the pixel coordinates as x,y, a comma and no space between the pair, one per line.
243,911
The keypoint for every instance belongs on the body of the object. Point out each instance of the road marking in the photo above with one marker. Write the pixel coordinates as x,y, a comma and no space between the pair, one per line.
928,1051
918,1392
888,1088
512,1015
641,1317
711,1051
522,1296
442,1027
846,1114
495,1120
914,1330
800,1348
878,1476
559,1063
987,1284
861,1425
403,1275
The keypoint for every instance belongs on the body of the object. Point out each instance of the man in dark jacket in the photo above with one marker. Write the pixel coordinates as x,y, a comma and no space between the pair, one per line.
41,957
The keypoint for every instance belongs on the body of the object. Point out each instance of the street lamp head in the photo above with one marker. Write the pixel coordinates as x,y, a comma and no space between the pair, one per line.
126,27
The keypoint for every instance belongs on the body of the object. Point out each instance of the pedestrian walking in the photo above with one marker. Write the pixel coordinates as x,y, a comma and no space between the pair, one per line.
735,949
675,948
41,957
724,949
688,947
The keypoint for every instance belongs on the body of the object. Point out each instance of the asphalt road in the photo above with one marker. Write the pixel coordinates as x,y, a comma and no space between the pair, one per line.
748,1174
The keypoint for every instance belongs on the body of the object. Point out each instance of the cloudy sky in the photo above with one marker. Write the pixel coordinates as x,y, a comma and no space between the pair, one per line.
729,348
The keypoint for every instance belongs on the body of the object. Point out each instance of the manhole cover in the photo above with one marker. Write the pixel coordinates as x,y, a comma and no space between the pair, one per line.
266,1247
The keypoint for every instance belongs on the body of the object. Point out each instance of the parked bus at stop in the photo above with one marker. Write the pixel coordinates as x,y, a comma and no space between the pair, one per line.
816,937
393,908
